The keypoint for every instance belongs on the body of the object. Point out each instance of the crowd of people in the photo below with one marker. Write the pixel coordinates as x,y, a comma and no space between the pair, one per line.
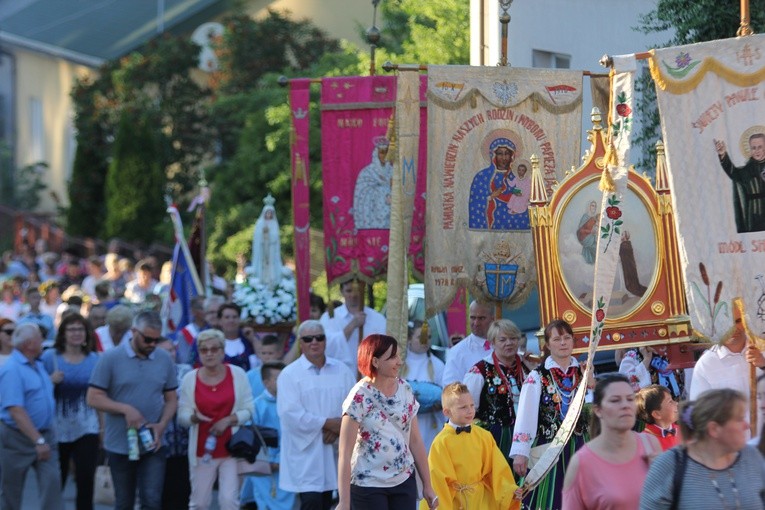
89,375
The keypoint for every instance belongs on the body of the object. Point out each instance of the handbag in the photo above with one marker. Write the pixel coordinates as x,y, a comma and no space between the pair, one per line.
262,464
246,442
103,487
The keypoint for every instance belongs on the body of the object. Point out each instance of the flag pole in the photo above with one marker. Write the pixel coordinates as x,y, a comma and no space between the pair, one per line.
203,236
178,229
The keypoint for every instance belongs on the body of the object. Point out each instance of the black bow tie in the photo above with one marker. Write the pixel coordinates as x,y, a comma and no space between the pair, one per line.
668,432
466,428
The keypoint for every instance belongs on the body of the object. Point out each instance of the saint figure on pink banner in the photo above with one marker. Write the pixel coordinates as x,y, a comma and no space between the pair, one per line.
371,195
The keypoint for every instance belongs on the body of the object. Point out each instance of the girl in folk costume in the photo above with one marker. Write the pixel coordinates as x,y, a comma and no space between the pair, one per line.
658,411
649,365
495,382
544,402
424,372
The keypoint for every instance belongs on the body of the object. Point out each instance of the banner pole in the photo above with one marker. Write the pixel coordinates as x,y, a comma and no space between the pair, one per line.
744,28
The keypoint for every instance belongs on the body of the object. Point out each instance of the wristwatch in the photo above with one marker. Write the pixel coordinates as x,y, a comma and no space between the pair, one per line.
40,441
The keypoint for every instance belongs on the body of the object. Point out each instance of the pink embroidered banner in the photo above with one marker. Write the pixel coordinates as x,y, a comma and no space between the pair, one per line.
300,92
357,175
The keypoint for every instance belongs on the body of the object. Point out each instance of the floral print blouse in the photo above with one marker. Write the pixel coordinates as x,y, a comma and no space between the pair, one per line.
381,455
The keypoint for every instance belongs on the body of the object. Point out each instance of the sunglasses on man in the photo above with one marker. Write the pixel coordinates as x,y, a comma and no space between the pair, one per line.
313,338
149,339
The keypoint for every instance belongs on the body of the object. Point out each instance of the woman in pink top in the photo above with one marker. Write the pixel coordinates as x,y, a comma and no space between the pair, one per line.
608,472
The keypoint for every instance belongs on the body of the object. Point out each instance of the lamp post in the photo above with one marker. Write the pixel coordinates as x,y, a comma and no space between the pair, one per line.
373,37
504,19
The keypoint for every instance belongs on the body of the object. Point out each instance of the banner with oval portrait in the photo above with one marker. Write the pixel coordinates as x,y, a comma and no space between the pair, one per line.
578,235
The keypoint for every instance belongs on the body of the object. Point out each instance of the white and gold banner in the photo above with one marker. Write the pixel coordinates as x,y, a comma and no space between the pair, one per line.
484,124
712,103
407,143
610,229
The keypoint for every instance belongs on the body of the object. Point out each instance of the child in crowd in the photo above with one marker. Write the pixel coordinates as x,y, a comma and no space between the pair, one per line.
466,467
263,490
423,371
657,408
267,351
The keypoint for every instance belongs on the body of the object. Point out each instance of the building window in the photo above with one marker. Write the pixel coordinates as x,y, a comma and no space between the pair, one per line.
550,60
36,131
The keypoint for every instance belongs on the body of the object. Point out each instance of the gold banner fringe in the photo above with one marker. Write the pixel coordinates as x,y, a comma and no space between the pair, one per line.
538,99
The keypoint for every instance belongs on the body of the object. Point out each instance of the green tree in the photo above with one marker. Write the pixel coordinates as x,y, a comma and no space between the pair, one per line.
157,81
253,119
426,32
135,181
689,22
86,212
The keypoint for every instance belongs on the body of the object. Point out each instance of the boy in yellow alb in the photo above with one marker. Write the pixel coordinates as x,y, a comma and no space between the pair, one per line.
467,469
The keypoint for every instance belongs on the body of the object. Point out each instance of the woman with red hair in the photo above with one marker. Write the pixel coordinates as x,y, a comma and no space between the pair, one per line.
380,441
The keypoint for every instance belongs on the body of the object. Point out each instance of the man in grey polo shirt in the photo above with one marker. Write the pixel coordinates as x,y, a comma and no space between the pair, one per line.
134,385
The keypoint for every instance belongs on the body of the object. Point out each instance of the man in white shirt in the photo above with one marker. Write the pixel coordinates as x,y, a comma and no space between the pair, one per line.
346,322
311,391
117,329
727,366
473,348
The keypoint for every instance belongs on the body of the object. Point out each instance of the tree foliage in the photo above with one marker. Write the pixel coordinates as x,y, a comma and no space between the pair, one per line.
426,32
134,183
87,209
158,82
688,22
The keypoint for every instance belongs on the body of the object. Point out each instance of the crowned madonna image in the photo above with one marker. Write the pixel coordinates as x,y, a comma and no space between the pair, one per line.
266,291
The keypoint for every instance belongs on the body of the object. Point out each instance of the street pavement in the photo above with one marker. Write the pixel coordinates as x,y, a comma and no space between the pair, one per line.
31,501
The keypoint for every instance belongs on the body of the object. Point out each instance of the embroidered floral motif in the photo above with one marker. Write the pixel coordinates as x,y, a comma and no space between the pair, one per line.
498,404
622,124
684,64
522,437
551,406
613,226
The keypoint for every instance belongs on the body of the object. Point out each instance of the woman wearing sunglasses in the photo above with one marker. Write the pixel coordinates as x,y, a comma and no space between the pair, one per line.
7,327
215,399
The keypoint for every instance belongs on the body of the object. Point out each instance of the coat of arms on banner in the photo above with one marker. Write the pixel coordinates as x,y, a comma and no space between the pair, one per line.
503,271
484,125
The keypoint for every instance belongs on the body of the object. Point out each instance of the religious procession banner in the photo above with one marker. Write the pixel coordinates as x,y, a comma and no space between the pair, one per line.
610,229
357,174
406,148
484,124
712,104
300,97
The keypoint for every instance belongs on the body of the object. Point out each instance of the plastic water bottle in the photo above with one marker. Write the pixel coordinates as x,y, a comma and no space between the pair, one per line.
146,437
210,444
132,439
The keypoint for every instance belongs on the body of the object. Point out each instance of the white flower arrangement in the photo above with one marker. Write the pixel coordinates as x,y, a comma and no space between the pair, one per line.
264,305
